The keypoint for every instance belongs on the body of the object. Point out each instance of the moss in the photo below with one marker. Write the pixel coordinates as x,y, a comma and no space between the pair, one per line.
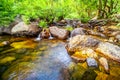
7,59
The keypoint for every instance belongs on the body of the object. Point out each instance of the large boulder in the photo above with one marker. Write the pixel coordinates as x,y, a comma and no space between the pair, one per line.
81,41
78,31
110,50
59,33
22,29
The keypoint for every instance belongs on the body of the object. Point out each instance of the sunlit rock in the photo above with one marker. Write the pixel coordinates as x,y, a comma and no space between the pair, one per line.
43,48
22,29
110,50
103,61
24,44
59,33
7,59
19,27
80,56
81,41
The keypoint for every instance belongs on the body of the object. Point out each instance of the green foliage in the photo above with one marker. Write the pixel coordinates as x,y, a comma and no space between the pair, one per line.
69,28
43,24
6,11
118,24
48,10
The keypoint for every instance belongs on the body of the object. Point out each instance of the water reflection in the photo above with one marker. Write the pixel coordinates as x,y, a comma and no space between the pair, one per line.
44,62
26,59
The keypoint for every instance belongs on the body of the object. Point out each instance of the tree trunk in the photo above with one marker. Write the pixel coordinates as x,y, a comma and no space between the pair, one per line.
100,9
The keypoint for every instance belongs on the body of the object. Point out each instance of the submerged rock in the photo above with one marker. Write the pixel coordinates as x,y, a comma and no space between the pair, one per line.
110,50
24,44
92,62
77,72
18,71
89,75
59,33
103,61
4,43
78,31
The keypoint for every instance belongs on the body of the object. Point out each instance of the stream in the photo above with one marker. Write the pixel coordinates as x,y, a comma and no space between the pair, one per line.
26,59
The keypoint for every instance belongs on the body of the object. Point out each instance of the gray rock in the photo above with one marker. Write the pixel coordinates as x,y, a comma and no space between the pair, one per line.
59,33
20,27
5,30
110,50
92,62
5,42
78,31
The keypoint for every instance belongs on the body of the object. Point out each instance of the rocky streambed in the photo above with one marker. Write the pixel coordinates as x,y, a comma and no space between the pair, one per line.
68,52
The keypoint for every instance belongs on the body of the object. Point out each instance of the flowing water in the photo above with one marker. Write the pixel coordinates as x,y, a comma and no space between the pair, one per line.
26,59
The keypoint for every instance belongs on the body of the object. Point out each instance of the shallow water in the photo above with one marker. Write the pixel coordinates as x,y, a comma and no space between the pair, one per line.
26,59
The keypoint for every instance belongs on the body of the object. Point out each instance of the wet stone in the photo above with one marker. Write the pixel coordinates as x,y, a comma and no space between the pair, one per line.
92,62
